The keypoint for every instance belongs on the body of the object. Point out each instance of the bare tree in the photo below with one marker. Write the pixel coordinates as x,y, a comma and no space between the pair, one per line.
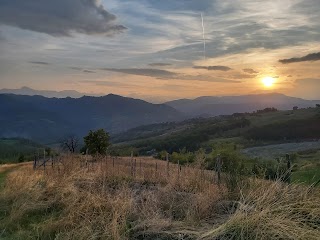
70,143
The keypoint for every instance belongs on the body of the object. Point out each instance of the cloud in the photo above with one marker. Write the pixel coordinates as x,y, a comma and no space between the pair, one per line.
76,68
2,38
250,71
242,76
309,57
159,64
39,63
214,68
88,71
108,83
59,17
167,75
150,72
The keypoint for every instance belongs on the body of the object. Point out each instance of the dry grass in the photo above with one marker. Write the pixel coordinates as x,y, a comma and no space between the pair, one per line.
273,210
102,201
7,167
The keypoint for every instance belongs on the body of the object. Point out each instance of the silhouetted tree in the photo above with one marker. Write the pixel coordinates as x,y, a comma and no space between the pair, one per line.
97,141
70,143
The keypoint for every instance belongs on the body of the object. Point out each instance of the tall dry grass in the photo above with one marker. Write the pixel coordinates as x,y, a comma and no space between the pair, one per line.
100,201
273,210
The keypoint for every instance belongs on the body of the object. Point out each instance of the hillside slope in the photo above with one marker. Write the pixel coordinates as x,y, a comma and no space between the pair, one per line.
248,129
48,119
13,150
214,106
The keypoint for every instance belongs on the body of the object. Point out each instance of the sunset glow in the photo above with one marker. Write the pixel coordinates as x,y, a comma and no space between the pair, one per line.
268,82
162,50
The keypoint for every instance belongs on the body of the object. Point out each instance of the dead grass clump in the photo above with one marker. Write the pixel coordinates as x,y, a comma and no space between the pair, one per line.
273,210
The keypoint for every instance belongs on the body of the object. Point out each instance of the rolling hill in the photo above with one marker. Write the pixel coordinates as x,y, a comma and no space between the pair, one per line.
215,106
46,93
13,150
47,119
246,130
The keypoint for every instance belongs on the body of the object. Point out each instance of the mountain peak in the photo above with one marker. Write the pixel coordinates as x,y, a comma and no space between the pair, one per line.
224,105
46,93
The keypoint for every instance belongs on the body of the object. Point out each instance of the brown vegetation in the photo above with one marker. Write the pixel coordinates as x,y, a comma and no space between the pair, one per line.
83,199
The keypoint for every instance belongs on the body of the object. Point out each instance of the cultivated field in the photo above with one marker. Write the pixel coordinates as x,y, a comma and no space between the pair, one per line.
277,150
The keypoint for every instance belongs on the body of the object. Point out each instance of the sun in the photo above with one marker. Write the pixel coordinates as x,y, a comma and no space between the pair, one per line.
268,81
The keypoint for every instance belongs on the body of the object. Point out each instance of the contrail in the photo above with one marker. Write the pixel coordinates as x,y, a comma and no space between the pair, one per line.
204,38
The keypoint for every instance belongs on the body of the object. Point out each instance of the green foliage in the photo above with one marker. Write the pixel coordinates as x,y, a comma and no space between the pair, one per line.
275,169
162,155
13,150
97,142
233,160
21,158
292,129
183,157
198,132
122,152
267,110
49,151
234,166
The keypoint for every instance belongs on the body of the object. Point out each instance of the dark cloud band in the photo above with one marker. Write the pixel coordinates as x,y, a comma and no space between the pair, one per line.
39,62
59,17
309,57
159,64
167,75
214,68
250,71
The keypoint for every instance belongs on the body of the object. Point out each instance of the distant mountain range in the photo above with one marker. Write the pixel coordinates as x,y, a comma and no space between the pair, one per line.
48,119
215,106
46,93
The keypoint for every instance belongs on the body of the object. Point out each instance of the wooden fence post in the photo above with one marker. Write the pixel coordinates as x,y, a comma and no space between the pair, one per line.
168,164
178,169
288,174
87,152
218,167
44,160
35,162
140,168
131,164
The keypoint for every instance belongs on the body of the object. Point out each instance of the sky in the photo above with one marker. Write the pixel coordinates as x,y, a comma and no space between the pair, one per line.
162,50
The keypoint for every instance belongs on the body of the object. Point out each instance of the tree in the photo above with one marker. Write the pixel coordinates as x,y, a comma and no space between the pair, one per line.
70,143
318,105
97,142
21,158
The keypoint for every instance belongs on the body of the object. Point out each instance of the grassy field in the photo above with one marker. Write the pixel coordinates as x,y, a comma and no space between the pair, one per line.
13,150
308,169
283,116
106,200
306,158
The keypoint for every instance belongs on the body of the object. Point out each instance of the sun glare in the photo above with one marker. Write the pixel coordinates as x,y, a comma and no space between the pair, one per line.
268,81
